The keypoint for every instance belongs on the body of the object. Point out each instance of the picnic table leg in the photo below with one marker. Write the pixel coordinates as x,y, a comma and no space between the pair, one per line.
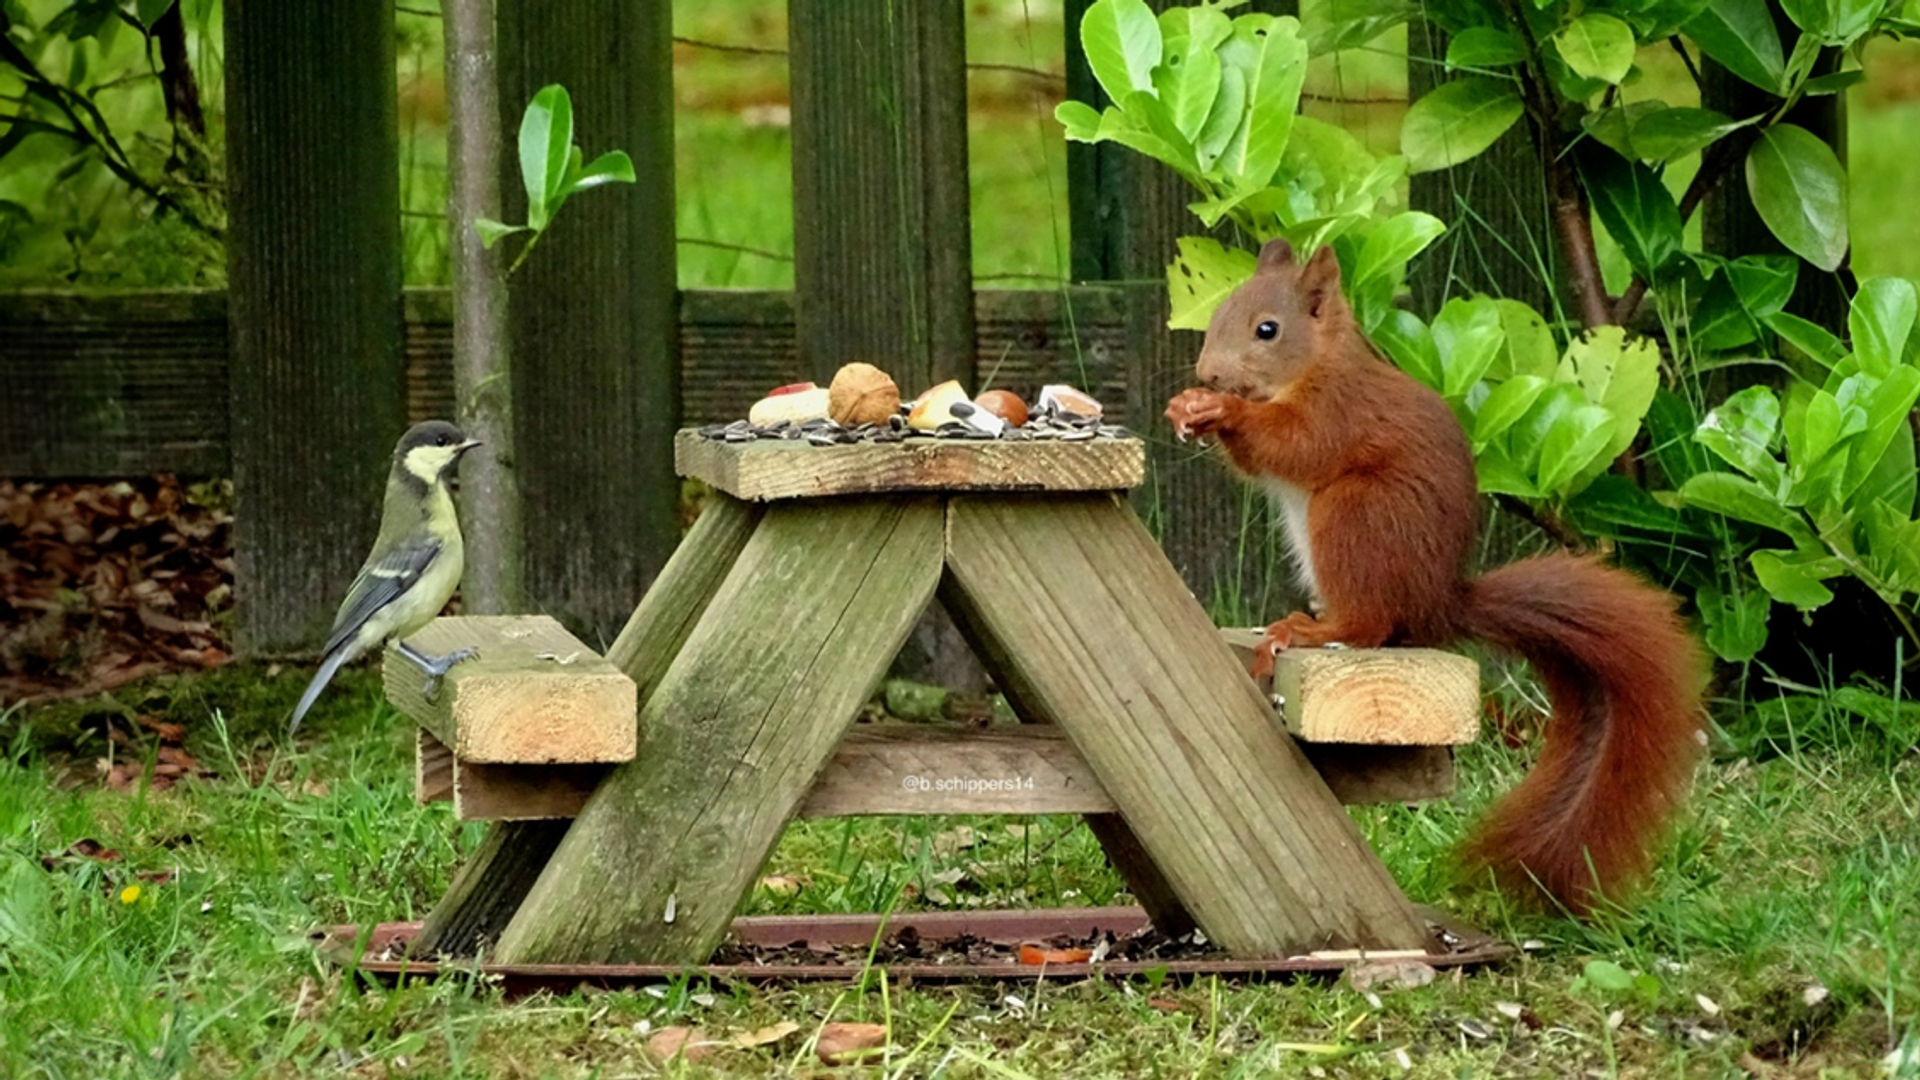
1088,621
496,878
734,734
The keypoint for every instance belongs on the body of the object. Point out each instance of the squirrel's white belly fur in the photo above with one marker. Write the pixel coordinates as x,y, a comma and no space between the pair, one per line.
1292,501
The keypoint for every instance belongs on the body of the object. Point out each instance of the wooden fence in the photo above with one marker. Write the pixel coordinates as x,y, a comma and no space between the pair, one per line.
295,381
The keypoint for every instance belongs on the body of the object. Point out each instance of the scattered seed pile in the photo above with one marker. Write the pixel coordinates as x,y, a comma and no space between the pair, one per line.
908,945
101,584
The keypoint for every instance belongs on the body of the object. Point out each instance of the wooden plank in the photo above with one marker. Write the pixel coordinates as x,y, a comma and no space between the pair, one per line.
895,768
432,768
596,389
1091,625
791,469
735,732
533,696
317,392
126,384
881,207
1384,697
483,792
487,889
490,889
1359,774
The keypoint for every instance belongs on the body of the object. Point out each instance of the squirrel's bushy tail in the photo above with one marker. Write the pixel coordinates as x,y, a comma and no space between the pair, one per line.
1625,679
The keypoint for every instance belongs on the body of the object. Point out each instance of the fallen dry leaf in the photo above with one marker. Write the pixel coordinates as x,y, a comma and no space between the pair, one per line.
848,1044
1036,954
1390,975
686,1042
84,848
772,1033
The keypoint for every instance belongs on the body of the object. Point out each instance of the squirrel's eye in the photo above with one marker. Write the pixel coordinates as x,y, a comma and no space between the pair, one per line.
1267,331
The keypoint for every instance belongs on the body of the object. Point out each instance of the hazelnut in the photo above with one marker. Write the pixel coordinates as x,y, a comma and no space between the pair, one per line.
1004,404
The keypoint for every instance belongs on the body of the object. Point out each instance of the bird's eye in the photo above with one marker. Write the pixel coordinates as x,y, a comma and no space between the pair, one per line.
444,440
1267,331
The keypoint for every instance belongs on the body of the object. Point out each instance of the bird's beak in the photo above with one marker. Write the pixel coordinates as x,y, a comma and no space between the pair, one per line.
468,445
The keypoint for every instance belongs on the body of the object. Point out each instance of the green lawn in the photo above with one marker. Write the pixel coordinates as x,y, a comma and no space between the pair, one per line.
1783,927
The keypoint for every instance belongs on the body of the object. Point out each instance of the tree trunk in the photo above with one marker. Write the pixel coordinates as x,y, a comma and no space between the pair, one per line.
495,581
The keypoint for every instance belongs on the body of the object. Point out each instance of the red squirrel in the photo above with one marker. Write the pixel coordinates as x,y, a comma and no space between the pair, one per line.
1375,481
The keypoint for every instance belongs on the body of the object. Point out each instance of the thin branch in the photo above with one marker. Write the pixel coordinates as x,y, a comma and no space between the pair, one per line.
742,248
422,12
1546,521
1687,59
716,46
762,50
1716,163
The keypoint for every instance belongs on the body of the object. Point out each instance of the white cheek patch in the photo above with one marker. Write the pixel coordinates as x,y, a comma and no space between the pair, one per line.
1292,503
426,462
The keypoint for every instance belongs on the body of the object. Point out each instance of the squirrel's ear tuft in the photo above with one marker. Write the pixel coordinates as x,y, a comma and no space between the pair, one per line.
1320,279
1277,253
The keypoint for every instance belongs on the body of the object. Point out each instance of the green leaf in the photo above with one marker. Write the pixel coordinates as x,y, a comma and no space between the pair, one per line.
1671,422
1408,341
1596,46
1607,976
1349,24
1892,481
491,231
149,11
1887,406
1612,503
1895,544
1800,191
1813,16
1466,335
1121,39
1810,338
612,167
1080,119
1224,118
1834,83
546,145
1790,579
1613,128
1527,348
1739,498
1577,441
1201,276
1740,34
1483,47
1505,406
1666,134
1617,375
1736,624
1270,53
1764,283
1498,474
1741,430
1188,78
1144,126
1637,209
1456,121
1882,317
1386,251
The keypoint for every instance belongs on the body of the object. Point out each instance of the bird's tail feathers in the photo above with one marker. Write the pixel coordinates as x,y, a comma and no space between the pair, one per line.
320,680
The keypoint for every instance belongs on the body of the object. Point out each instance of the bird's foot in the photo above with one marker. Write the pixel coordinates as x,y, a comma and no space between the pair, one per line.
435,668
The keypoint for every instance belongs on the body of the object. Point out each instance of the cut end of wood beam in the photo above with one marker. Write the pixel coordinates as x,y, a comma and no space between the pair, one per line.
1379,697
535,695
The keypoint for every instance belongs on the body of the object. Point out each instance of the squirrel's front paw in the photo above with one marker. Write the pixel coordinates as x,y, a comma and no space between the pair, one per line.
1196,411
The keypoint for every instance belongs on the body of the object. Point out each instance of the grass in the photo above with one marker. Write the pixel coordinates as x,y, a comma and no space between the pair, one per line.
1778,936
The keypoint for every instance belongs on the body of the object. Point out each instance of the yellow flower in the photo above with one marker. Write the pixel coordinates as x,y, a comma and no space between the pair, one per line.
129,894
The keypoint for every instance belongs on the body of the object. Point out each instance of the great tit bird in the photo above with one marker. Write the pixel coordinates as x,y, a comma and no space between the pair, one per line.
415,564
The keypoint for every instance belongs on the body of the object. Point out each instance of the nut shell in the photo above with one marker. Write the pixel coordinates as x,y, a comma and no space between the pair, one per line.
935,407
862,394
1004,404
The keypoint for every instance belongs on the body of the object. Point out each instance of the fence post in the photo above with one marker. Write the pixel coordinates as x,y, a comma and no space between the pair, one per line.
1125,212
313,248
882,222
1499,237
596,380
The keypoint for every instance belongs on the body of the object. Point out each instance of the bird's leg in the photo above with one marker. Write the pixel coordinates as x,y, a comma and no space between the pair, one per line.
434,667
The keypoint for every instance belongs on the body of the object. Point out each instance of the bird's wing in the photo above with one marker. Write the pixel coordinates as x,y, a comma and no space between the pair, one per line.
379,583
